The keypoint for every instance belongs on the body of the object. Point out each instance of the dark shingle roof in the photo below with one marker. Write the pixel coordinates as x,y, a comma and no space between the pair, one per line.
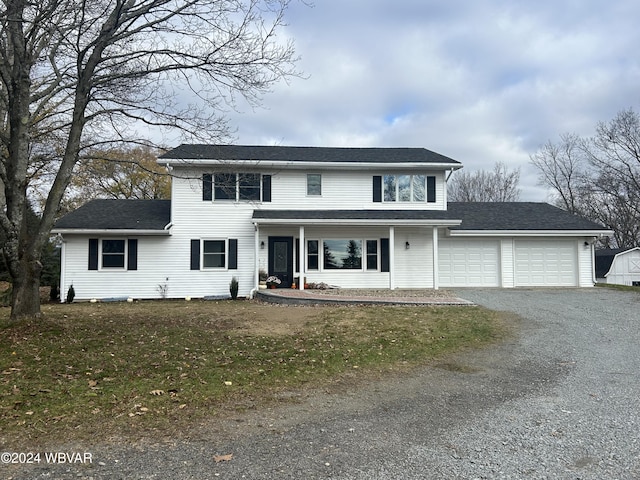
156,214
118,215
311,215
306,154
517,216
474,216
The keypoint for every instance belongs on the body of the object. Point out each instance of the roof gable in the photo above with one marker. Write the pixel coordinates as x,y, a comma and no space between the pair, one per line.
326,155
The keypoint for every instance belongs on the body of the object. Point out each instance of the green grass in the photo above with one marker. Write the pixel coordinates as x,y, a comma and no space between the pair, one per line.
128,369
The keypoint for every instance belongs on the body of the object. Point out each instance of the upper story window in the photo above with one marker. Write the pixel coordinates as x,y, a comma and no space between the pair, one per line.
236,187
314,184
249,186
224,186
404,188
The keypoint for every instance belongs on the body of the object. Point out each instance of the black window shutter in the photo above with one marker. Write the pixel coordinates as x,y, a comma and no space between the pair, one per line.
132,258
195,254
377,188
93,254
431,189
296,260
266,188
207,186
233,254
384,254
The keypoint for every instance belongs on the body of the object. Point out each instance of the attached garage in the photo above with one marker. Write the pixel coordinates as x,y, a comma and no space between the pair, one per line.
543,262
465,262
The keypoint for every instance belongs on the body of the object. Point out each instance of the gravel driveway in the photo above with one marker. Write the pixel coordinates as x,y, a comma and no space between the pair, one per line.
561,400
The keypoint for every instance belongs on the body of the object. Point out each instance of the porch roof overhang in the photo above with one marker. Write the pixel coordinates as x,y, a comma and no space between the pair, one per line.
356,217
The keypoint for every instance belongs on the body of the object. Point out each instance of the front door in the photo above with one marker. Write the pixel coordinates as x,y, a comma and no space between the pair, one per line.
281,259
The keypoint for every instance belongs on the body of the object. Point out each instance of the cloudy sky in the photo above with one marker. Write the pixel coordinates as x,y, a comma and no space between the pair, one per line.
477,80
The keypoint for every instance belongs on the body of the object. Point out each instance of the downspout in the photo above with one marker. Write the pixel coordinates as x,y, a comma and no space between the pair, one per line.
256,261
593,262
63,267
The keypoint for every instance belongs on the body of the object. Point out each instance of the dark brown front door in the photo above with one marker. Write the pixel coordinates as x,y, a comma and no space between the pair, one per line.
281,259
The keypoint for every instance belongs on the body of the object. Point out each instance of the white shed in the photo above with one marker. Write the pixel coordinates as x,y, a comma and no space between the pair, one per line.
620,266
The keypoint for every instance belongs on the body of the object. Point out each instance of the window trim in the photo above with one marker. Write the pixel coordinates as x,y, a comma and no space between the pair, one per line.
319,175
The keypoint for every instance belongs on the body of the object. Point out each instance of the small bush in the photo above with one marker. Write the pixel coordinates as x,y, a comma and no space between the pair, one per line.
71,293
54,293
233,288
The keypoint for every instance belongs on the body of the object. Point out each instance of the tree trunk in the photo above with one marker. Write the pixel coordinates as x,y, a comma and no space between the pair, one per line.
25,298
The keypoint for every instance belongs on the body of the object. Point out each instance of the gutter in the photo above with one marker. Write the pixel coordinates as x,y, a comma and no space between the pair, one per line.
302,165
111,231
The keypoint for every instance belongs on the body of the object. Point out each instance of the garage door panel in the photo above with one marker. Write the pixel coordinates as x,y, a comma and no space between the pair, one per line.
468,262
545,262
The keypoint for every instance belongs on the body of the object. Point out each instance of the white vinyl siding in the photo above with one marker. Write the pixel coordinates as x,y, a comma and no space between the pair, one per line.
542,262
413,267
343,190
117,282
469,262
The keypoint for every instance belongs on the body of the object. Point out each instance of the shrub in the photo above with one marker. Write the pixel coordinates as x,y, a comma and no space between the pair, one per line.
54,293
233,288
71,293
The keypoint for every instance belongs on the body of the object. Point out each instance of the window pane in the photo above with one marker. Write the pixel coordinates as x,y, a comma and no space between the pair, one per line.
280,256
418,188
224,186
389,188
312,254
213,246
113,253
404,188
314,184
372,254
213,260
249,186
342,254
113,246
213,254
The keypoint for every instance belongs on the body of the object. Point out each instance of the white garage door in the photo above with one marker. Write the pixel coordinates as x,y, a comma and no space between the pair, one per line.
465,262
541,262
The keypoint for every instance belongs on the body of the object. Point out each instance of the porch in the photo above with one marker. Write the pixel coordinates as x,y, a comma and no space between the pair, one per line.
387,249
357,296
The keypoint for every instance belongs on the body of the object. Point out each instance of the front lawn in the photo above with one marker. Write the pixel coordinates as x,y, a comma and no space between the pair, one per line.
94,371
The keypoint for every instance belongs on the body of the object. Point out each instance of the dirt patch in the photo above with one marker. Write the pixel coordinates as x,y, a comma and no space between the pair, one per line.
277,320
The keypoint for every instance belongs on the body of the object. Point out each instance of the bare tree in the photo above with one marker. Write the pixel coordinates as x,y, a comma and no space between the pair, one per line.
598,177
89,73
562,167
499,185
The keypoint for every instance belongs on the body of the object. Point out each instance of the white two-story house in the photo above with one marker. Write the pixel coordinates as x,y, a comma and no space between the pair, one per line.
349,217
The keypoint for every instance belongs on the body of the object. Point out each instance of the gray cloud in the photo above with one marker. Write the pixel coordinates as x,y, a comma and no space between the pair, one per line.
479,81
